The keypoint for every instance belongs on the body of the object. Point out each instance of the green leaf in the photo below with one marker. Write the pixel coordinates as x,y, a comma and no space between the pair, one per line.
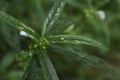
14,75
31,70
6,62
75,39
76,4
9,34
39,12
22,58
48,69
53,15
18,25
79,55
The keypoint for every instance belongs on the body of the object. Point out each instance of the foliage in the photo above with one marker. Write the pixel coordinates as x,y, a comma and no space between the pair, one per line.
59,32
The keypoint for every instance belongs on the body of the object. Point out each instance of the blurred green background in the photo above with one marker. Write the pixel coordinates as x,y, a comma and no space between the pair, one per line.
97,19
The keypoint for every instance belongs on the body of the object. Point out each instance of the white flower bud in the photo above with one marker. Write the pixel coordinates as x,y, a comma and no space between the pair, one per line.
30,54
62,38
101,14
23,33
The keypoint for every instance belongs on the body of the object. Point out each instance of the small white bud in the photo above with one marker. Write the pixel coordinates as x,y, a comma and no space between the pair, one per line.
23,33
62,38
101,14
30,53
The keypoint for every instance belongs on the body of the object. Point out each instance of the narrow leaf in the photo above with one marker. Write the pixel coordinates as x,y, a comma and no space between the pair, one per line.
79,55
48,69
31,70
6,62
6,31
18,25
39,12
53,15
75,39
